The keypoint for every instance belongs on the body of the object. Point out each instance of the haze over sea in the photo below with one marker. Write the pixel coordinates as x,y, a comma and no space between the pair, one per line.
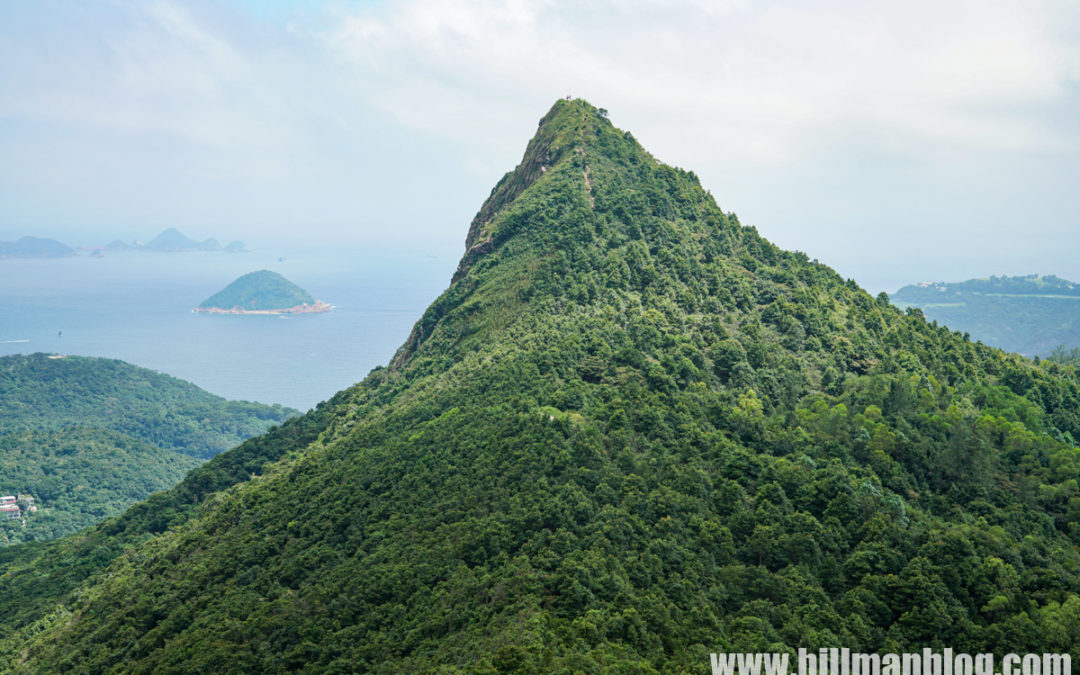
136,306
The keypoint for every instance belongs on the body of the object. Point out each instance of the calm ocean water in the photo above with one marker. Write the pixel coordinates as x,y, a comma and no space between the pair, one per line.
137,307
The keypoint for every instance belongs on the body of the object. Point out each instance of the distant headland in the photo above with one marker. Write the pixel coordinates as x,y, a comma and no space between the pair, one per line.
34,247
262,292
171,240
1032,314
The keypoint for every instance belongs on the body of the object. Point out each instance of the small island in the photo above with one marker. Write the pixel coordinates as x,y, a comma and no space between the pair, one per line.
262,292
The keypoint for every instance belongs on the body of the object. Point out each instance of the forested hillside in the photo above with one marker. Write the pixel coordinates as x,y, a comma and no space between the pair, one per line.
37,391
631,432
1031,315
78,476
85,438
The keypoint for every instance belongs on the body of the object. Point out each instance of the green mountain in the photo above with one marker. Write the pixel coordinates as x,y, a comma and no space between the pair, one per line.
1030,314
77,476
262,291
630,433
173,241
34,247
85,438
40,391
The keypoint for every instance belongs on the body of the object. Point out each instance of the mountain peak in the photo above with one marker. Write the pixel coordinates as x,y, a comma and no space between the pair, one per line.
571,132
630,433
560,130
584,189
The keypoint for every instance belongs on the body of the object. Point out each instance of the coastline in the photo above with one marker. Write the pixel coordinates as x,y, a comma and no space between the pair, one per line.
316,308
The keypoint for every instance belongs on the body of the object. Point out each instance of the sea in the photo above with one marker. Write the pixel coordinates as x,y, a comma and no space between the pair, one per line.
137,306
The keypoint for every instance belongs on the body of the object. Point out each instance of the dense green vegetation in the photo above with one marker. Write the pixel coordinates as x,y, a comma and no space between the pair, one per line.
80,475
86,437
262,290
1030,314
33,577
630,432
37,392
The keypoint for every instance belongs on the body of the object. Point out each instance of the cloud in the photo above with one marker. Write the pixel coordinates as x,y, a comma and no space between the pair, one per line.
838,126
762,80
163,72
851,130
136,116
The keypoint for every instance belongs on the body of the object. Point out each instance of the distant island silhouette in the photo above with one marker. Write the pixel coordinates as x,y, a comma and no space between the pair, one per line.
34,247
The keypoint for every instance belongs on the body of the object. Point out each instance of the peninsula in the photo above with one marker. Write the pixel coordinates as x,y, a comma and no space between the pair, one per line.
1031,314
262,292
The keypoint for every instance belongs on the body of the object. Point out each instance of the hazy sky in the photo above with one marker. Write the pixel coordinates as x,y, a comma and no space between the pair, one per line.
895,141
